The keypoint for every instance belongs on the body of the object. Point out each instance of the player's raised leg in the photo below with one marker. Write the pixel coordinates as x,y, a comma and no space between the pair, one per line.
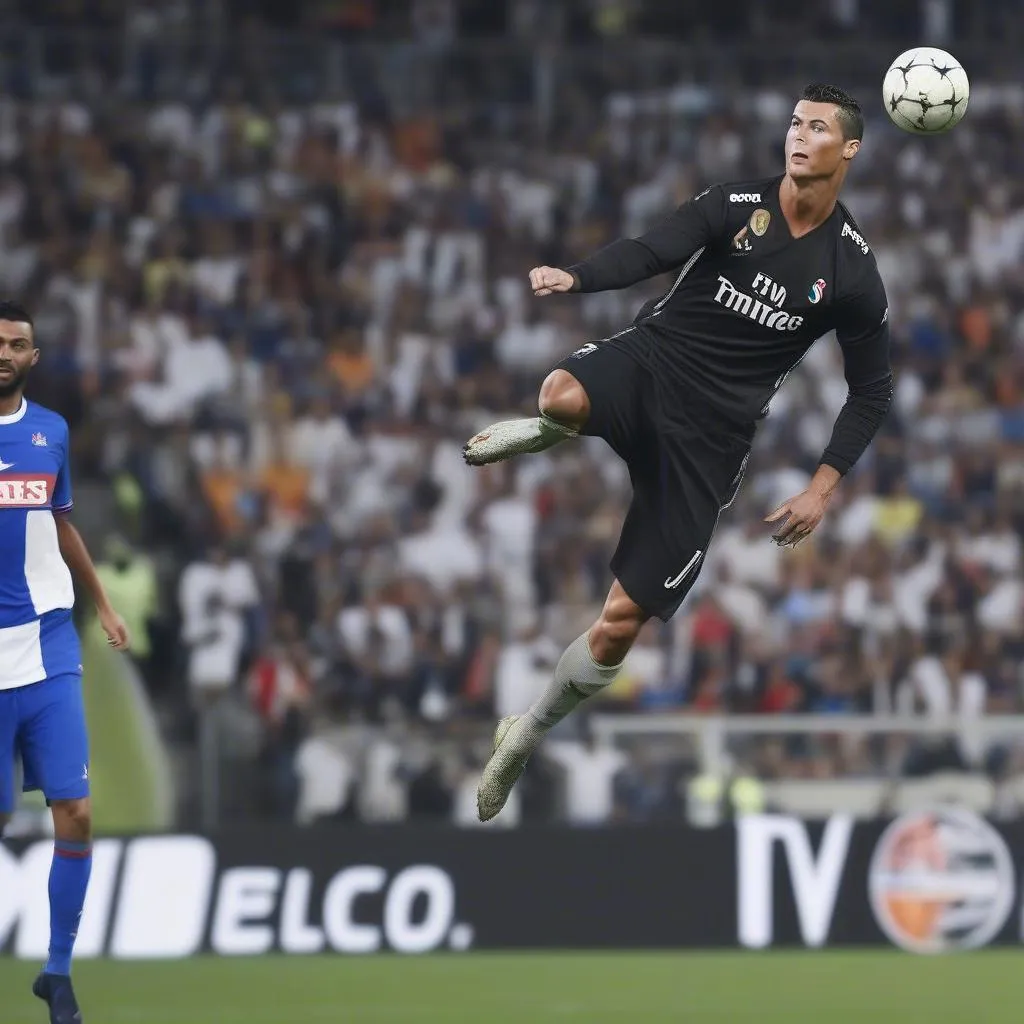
589,664
564,408
55,753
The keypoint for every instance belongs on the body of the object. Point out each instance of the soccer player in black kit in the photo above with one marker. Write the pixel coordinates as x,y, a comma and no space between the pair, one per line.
762,270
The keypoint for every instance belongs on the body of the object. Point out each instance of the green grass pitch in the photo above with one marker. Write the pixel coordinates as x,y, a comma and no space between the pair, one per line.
635,988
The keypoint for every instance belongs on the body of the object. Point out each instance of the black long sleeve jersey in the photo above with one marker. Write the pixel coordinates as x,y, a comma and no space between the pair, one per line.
747,303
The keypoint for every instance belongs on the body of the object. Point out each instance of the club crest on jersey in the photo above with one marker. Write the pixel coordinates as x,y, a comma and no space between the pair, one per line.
39,440
759,221
817,290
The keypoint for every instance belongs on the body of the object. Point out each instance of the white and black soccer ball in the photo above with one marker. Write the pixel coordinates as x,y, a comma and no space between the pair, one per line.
926,91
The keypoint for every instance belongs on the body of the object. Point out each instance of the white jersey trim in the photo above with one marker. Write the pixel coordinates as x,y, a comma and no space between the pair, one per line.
15,417
687,267
46,573
21,656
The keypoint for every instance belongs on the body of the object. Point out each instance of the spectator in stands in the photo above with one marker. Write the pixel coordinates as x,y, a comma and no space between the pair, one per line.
589,768
129,578
280,690
216,593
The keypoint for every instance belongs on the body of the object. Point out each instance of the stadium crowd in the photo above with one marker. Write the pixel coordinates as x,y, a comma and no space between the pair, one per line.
272,325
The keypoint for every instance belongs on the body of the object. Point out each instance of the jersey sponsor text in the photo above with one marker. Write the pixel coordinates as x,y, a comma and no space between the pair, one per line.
25,491
746,305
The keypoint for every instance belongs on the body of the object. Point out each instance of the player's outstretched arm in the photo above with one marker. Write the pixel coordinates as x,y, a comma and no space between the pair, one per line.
666,247
76,556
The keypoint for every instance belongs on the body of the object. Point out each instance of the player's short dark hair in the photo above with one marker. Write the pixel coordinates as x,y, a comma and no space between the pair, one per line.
15,313
851,120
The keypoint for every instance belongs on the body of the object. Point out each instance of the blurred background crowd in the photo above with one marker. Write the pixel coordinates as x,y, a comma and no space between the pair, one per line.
278,265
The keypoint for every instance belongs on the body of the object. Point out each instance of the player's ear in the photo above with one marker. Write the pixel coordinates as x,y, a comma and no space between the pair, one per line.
850,148
35,356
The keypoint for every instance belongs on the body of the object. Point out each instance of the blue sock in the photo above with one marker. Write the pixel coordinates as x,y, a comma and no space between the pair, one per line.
69,878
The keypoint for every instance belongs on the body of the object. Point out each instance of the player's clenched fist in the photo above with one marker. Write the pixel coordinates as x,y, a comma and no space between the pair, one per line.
546,280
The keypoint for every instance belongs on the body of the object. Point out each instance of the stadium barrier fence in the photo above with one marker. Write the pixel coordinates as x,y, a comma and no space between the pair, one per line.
927,881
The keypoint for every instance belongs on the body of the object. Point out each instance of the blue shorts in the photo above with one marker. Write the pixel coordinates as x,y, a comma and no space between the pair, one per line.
43,726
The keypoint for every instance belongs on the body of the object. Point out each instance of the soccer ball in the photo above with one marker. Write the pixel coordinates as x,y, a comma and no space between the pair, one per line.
925,91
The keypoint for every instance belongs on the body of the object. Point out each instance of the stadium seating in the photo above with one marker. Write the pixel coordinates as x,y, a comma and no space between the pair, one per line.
273,314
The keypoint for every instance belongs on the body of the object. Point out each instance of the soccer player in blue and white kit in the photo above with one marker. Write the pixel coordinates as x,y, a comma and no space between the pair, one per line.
42,717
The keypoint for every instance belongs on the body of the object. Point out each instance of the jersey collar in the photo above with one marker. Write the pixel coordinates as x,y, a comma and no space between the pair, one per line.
15,416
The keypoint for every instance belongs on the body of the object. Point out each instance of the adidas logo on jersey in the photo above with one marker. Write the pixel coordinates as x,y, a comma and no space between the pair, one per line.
857,238
744,197
23,492
732,298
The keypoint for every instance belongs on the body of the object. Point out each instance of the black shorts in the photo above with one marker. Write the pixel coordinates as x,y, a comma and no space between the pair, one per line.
685,463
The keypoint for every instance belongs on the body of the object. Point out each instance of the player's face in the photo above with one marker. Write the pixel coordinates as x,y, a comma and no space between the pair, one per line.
18,354
815,147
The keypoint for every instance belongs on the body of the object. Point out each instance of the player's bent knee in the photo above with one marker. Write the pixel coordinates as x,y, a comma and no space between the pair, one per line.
564,399
611,637
617,627
72,819
610,640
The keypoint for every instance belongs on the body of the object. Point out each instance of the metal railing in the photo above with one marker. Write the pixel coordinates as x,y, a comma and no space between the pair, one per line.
712,733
